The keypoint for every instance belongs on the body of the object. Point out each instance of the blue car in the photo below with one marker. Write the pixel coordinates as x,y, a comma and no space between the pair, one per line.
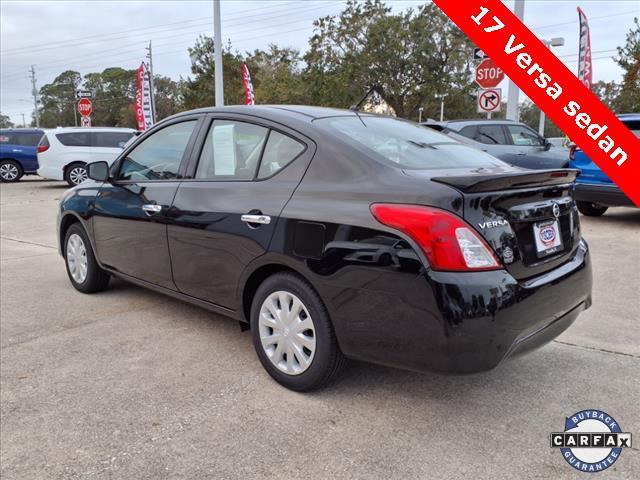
18,153
595,192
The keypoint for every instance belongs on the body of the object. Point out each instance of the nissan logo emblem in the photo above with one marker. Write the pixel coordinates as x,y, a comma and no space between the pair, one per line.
556,210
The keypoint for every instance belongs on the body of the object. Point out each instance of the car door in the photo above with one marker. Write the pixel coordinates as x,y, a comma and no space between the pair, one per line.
224,216
106,146
131,211
528,150
492,139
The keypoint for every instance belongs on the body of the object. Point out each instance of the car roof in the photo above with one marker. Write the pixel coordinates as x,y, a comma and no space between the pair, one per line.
89,129
282,112
629,116
21,130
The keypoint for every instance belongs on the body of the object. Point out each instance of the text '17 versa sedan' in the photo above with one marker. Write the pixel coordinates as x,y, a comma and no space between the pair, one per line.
334,234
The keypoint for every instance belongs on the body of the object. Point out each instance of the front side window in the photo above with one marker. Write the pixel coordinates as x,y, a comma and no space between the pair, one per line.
634,126
522,136
74,139
231,151
158,156
280,151
111,139
405,144
491,135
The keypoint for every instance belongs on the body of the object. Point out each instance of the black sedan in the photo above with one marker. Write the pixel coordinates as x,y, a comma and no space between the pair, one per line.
333,234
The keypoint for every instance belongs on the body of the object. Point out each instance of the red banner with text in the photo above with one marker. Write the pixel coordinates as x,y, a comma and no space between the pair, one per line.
552,87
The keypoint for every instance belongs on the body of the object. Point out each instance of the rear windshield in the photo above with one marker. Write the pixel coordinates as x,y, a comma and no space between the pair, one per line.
634,126
404,144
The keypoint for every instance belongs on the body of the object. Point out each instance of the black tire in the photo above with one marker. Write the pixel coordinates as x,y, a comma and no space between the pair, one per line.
327,359
591,209
10,171
96,279
71,173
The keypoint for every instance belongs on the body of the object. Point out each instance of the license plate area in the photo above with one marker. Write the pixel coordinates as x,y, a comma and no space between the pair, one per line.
548,238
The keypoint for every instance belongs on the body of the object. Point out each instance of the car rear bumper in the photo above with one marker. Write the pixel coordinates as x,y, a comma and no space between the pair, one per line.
609,195
466,322
51,172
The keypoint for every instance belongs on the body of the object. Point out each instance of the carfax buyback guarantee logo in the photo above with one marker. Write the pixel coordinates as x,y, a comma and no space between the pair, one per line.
592,440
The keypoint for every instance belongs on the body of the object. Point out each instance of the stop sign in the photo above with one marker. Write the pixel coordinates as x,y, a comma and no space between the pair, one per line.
488,74
85,107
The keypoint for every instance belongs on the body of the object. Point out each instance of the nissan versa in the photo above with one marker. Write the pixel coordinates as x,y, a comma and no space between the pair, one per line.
334,234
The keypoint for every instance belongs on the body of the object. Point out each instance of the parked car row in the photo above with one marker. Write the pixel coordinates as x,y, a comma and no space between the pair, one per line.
58,154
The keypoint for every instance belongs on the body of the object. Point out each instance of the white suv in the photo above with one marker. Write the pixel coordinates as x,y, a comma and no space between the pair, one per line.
63,153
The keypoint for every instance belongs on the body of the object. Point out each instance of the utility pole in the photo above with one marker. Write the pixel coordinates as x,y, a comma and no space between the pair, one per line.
153,92
441,97
73,104
513,112
24,124
217,46
34,91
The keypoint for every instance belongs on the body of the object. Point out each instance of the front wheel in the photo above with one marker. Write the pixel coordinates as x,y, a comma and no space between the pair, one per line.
591,209
75,174
10,171
293,335
84,272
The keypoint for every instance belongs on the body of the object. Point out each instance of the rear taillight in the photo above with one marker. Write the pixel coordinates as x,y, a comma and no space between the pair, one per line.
43,145
449,243
572,152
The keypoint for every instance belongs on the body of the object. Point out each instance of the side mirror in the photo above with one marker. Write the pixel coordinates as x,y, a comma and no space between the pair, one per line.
98,171
546,144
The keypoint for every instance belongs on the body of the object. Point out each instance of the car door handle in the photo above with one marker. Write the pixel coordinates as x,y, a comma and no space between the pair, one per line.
256,219
151,209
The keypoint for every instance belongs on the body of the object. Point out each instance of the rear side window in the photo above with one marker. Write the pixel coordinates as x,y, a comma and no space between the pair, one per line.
491,135
26,139
405,144
111,139
280,151
158,156
469,132
75,139
231,151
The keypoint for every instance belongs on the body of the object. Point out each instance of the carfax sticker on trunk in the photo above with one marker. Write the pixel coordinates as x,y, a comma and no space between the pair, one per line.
547,237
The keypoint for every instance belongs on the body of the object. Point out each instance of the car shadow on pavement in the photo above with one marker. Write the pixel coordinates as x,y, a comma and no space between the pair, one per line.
616,215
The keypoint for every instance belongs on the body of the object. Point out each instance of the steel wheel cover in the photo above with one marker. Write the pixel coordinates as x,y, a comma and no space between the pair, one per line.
78,175
77,258
8,171
287,333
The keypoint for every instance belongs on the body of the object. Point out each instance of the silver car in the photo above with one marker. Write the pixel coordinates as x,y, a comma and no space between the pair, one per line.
512,142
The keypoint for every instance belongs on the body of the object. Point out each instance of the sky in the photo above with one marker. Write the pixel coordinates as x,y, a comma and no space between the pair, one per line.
89,36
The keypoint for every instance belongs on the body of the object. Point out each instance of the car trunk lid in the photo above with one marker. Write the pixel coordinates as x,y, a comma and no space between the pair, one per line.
528,217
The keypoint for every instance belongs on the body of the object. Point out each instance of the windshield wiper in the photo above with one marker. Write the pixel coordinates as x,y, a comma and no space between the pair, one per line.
421,144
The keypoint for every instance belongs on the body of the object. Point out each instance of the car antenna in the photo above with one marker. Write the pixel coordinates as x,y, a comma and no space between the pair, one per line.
356,108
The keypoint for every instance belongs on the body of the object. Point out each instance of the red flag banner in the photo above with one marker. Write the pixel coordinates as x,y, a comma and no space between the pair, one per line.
144,104
552,87
585,72
138,106
250,98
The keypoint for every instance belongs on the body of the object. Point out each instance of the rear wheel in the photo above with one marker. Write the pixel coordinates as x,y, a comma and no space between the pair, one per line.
75,174
591,209
293,335
10,171
84,272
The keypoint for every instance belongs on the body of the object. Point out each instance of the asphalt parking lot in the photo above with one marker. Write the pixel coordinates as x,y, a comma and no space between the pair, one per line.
134,385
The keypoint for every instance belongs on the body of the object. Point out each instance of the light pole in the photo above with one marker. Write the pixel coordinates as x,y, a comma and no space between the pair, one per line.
217,47
420,114
514,91
554,42
441,97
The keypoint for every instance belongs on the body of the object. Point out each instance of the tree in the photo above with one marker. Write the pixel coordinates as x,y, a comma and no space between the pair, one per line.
167,96
530,115
628,99
114,93
58,100
200,91
607,92
407,58
277,76
5,121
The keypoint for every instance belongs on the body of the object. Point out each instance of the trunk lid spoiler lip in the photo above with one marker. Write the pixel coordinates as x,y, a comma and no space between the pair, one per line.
509,180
